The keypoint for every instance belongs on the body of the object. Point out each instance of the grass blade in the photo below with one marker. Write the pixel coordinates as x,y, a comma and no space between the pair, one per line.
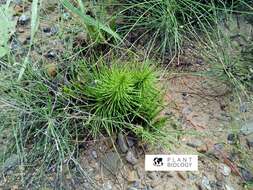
34,27
89,21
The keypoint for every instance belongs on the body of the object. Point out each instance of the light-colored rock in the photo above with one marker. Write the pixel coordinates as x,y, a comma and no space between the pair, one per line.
247,128
224,169
130,157
205,183
132,176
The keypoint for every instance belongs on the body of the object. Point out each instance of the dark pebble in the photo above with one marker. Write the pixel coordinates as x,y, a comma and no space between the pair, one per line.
199,61
50,31
51,55
23,19
232,138
184,94
121,141
130,141
46,29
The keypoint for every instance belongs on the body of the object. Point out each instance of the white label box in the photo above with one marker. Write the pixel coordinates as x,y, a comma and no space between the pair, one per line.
171,162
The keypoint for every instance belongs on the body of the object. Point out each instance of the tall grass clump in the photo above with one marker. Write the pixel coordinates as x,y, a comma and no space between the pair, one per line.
37,117
50,116
228,51
163,24
124,97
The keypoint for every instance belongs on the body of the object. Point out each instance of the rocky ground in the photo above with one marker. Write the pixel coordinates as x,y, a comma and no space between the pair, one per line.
214,126
211,121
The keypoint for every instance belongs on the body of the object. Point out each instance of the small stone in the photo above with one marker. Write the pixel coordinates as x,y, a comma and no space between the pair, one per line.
232,138
247,128
50,31
51,54
184,93
94,154
249,140
46,29
130,157
131,176
23,19
247,175
122,143
107,186
224,169
231,98
194,143
223,106
205,183
202,149
199,62
137,184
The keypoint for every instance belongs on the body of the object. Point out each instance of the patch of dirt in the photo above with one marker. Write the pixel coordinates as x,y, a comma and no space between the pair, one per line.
204,112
